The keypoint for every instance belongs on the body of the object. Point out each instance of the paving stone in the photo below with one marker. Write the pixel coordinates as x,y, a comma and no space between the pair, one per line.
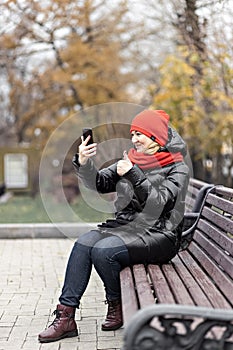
32,272
5,331
50,346
69,346
31,344
86,346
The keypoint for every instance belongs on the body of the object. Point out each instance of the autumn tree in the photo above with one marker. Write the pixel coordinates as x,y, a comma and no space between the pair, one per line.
58,57
194,83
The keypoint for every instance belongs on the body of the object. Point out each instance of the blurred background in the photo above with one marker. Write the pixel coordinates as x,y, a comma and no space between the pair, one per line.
60,57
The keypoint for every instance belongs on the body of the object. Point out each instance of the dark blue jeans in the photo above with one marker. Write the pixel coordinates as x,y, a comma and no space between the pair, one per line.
107,253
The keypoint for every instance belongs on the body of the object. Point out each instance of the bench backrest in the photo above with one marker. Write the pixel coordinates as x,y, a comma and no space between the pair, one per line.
194,199
195,195
212,242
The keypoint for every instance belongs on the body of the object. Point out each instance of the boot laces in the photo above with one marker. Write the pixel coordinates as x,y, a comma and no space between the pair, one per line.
111,307
57,318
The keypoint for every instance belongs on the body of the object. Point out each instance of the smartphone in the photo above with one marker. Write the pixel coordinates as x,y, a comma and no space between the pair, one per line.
87,132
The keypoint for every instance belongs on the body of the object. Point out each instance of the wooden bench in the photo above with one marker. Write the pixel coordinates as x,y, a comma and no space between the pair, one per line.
194,199
186,304
195,195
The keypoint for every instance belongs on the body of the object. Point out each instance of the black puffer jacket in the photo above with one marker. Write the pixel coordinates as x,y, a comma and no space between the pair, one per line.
149,204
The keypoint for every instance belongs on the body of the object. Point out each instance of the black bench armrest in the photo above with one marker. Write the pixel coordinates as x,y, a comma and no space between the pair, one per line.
200,197
189,225
142,333
191,219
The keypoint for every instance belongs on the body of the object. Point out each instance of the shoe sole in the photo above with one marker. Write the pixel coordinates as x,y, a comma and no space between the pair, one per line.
66,335
112,328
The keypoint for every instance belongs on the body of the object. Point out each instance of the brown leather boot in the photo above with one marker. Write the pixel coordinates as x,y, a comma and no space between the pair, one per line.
64,325
113,319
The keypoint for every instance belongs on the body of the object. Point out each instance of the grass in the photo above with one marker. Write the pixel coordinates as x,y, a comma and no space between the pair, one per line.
25,209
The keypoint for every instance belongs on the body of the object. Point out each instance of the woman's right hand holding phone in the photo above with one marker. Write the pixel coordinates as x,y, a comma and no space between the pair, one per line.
86,151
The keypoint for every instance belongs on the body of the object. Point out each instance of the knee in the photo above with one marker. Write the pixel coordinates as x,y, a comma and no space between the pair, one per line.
105,250
88,239
83,240
100,253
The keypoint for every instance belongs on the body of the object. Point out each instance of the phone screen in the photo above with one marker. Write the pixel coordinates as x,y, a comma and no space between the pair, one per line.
87,132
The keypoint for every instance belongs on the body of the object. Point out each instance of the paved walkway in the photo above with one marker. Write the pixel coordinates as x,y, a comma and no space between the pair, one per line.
31,275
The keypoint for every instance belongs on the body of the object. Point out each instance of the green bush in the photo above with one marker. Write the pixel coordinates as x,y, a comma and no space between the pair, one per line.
25,209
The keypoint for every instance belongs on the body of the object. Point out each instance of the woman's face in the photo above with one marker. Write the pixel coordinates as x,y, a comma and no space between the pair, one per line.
140,141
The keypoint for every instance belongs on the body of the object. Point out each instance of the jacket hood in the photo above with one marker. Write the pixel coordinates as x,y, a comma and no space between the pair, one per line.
175,143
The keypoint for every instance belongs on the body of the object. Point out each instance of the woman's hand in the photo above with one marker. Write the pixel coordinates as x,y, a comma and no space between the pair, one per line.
124,165
85,151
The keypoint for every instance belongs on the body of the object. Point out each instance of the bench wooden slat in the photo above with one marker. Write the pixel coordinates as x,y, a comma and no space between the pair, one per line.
189,205
206,288
222,281
195,195
162,290
193,192
214,233
144,291
185,270
197,183
220,257
220,203
220,221
201,288
227,192
130,304
176,283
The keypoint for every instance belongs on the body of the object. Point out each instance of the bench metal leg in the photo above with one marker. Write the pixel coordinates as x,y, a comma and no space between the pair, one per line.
176,329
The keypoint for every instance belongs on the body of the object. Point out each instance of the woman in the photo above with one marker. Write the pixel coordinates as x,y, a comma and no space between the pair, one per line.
151,183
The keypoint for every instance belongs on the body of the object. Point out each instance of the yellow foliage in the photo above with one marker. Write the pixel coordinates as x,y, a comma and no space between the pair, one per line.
85,39
199,107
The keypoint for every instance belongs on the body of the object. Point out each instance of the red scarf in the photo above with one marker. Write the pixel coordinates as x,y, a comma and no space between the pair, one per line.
159,159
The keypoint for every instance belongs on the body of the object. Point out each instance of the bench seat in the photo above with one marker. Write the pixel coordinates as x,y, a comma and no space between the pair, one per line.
197,286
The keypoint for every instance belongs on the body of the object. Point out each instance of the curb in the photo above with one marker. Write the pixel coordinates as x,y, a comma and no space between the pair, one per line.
45,230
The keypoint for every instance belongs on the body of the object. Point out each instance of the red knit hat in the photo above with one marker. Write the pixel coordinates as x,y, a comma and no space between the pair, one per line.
152,123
